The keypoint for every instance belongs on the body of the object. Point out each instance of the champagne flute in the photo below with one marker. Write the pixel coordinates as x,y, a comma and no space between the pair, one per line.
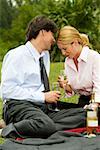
63,77
55,87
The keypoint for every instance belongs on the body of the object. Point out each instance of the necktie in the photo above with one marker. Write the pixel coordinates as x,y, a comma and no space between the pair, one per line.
45,81
44,77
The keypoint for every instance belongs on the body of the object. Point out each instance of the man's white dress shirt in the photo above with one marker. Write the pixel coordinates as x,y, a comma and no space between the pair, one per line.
20,72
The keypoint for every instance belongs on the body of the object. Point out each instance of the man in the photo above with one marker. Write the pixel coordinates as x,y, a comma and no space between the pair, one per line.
26,94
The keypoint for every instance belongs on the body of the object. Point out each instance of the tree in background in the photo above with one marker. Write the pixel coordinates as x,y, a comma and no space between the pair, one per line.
6,14
82,14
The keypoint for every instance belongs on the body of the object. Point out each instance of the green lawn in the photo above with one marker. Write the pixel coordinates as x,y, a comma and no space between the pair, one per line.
1,139
55,70
0,99
0,70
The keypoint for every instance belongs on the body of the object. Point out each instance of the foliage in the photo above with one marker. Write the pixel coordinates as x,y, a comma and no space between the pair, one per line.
84,15
5,14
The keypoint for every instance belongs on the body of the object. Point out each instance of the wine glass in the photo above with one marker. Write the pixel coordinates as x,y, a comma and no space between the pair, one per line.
55,87
63,77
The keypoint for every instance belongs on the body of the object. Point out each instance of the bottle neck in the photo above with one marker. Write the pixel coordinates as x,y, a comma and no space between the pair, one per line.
92,98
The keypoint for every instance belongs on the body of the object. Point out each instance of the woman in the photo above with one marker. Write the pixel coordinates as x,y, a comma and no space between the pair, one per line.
82,66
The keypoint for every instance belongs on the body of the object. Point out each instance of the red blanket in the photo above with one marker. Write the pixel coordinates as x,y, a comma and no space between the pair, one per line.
80,130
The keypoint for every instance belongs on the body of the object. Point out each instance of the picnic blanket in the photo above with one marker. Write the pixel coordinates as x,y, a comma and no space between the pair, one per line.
62,140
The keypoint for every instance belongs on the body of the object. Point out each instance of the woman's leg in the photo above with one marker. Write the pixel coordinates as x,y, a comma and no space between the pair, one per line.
84,100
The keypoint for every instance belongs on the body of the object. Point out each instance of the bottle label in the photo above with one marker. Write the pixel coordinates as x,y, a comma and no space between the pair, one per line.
91,114
92,123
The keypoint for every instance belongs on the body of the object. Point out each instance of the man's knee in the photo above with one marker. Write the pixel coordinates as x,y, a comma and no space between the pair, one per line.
47,126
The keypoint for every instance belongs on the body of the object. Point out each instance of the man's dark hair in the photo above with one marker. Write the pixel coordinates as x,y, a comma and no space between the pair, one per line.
37,24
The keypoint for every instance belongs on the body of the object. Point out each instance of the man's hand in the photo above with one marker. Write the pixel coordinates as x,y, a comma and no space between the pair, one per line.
52,96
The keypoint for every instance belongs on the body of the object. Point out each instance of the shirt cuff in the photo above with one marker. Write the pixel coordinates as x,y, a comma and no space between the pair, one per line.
39,97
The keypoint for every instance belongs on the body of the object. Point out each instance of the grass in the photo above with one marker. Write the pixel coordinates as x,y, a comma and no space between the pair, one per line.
0,69
55,70
1,139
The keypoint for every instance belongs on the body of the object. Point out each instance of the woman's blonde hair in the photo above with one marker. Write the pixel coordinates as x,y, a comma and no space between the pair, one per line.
85,39
68,34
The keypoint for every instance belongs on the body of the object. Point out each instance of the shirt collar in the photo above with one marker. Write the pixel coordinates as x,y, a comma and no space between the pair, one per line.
84,54
33,51
83,57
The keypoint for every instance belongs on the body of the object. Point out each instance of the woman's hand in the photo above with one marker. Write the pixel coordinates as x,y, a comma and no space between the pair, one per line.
62,82
91,106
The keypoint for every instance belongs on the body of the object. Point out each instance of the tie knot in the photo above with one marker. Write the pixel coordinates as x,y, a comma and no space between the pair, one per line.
41,61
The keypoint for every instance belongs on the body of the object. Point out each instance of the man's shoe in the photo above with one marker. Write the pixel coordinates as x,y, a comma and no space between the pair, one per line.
2,124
